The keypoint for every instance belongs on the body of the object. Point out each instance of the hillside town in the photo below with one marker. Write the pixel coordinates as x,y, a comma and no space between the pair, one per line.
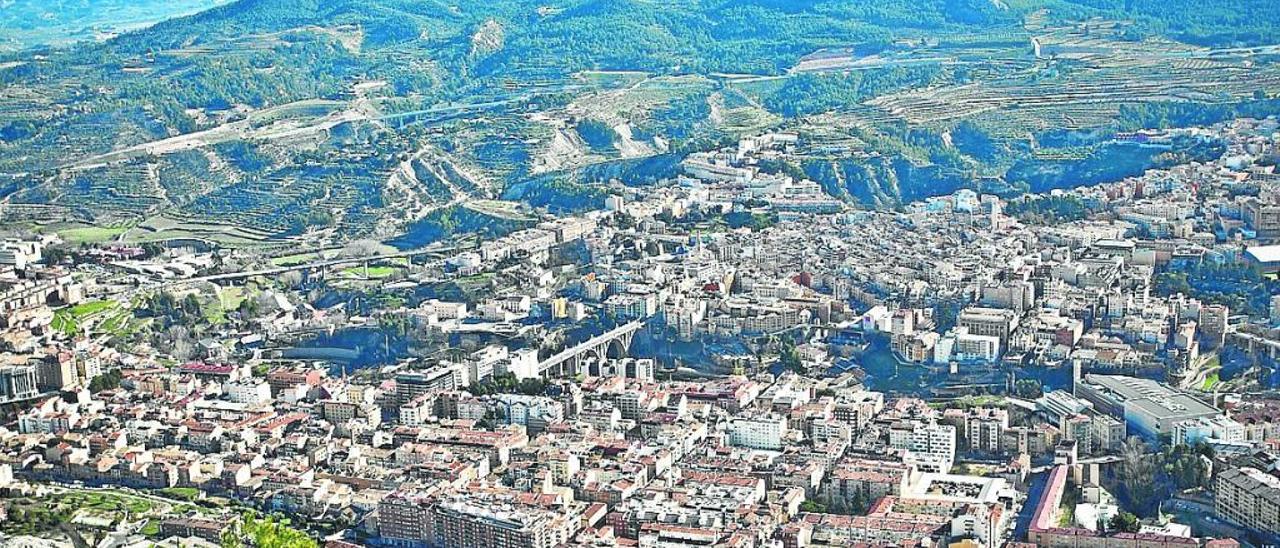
728,358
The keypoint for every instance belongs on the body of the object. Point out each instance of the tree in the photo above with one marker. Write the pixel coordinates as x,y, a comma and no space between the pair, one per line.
319,218
1137,471
106,381
1125,522
55,255
624,220
364,248
789,357
191,305
1186,465
269,532
1029,389
291,279
152,249
813,506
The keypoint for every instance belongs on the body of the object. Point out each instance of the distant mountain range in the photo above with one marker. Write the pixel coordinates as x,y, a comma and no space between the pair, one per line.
34,23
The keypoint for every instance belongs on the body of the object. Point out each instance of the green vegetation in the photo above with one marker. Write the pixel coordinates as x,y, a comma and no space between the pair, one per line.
857,506
292,260
106,381
265,532
507,383
1124,522
755,221
120,322
813,506
1067,517
559,195
820,92
60,22
189,494
1184,465
70,320
89,234
1049,210
1028,389
165,306
1148,477
1211,381
35,515
456,121
1187,20
373,272
151,529
1109,162
972,401
1238,286
598,135
445,223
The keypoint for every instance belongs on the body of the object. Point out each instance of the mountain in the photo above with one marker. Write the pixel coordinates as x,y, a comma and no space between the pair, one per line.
31,23
264,122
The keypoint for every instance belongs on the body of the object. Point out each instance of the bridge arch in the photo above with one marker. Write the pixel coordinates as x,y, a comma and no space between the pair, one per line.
617,348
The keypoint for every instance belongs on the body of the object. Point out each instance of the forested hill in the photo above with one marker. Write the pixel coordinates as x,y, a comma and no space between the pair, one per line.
471,39
1221,23
354,104
699,36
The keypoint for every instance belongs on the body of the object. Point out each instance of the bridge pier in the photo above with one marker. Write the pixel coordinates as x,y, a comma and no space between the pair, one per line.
574,360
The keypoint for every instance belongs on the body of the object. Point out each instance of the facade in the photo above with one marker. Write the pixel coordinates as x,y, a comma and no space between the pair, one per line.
984,428
961,345
55,373
865,481
18,382
248,392
1150,409
992,322
931,447
204,529
463,524
1265,258
1262,217
760,432
1249,497
1203,429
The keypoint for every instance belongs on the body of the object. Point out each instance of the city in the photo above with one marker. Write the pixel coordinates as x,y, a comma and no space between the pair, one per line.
966,368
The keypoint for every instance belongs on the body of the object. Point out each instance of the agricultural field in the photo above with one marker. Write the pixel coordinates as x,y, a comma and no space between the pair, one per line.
88,234
371,273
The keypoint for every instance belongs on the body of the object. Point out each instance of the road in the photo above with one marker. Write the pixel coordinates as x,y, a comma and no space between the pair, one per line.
313,265
266,272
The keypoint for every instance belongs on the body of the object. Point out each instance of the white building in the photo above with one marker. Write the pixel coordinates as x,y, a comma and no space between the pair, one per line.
443,310
929,446
1217,428
758,432
522,363
521,409
20,253
962,346
248,392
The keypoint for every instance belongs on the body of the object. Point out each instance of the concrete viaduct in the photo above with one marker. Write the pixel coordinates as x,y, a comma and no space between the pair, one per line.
614,343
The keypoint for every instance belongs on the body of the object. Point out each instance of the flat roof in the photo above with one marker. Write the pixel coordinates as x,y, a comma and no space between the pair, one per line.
1151,397
955,488
1264,253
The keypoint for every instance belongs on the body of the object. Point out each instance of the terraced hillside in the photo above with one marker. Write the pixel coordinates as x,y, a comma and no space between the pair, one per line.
263,122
